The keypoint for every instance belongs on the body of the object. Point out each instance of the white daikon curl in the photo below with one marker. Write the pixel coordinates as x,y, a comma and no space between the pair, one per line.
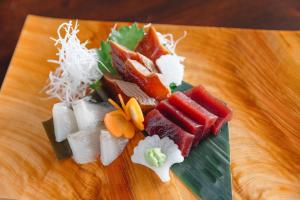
77,66
110,147
85,145
64,121
167,146
171,68
90,115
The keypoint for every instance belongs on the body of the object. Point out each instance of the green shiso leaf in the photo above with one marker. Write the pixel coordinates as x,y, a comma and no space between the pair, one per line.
173,87
95,85
127,36
105,64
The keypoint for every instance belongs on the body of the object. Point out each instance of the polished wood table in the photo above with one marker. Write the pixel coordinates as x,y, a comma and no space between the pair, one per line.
255,72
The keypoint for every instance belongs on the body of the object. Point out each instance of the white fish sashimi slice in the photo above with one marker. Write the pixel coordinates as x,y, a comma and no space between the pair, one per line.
85,145
171,68
110,147
64,121
90,115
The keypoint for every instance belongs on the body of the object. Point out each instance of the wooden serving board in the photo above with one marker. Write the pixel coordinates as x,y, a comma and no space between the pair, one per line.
256,72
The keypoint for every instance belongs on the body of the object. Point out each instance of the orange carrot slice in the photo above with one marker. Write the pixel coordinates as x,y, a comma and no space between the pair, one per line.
123,106
117,124
114,104
135,111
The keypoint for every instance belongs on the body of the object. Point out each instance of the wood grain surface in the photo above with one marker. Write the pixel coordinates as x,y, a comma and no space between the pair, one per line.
255,72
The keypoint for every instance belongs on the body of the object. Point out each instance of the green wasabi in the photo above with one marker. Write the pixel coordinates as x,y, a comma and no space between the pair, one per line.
155,157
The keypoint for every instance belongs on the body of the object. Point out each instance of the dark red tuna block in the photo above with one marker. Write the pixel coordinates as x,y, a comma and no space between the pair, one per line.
157,123
181,120
214,105
192,109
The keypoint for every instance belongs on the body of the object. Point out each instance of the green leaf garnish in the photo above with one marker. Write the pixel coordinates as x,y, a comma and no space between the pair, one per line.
127,36
95,85
105,64
173,87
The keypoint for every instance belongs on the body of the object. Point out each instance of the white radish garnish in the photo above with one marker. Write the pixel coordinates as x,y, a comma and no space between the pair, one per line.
90,115
77,66
85,145
167,40
158,155
64,121
110,147
171,68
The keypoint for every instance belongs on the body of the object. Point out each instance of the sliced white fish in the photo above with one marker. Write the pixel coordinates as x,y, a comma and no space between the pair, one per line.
110,147
64,121
90,115
171,68
85,145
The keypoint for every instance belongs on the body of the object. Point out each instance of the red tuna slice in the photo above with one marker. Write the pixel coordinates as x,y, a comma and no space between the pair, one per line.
150,46
182,120
157,123
148,81
192,109
120,54
213,105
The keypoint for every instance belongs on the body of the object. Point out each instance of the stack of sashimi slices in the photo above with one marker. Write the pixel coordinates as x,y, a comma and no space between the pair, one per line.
187,118
132,74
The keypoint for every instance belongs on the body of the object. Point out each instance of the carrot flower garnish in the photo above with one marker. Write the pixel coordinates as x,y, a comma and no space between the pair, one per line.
125,119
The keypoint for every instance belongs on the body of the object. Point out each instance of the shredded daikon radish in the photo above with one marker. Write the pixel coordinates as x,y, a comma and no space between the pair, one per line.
77,66
168,41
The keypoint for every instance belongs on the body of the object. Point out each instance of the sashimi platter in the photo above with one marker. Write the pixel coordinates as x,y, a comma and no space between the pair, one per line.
132,84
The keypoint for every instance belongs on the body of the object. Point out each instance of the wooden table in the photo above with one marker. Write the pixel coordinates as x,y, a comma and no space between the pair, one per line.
255,72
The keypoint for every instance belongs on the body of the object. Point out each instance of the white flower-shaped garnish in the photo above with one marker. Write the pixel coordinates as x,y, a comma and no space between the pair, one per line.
167,147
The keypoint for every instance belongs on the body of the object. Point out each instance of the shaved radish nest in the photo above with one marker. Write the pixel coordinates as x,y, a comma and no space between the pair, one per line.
77,66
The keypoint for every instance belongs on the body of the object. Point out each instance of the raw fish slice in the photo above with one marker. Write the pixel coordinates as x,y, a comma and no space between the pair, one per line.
120,54
193,109
64,121
150,46
213,105
157,124
110,147
149,82
85,145
90,115
127,89
182,120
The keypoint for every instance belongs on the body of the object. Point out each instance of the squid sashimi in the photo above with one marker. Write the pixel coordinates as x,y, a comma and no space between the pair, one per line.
64,121
157,123
182,120
213,105
150,46
85,145
110,147
90,115
120,54
193,110
127,90
149,82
